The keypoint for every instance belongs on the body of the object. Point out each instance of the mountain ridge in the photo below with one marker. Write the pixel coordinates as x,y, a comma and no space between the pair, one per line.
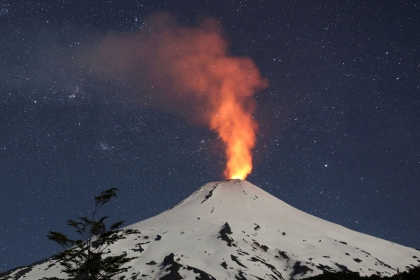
234,230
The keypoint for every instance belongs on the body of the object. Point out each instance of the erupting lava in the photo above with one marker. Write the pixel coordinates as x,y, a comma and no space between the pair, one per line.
190,69
239,139
236,128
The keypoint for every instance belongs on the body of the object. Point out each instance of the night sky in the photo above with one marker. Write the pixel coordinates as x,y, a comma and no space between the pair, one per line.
338,133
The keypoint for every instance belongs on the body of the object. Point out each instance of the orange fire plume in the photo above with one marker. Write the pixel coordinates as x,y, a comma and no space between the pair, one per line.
232,120
236,128
191,65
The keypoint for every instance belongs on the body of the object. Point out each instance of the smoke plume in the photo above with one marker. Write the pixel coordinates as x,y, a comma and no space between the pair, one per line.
189,70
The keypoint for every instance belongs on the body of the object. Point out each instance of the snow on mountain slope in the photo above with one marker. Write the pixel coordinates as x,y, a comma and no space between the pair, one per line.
233,229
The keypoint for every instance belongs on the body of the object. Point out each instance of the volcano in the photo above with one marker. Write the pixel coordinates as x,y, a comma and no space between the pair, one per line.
235,230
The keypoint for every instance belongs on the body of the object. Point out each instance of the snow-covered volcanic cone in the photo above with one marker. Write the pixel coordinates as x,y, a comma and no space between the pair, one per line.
233,229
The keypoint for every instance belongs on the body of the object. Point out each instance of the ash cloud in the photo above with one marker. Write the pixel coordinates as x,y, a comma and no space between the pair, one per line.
188,70
168,66
178,68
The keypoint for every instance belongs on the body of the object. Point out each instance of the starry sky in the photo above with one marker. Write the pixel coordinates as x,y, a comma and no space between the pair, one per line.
338,133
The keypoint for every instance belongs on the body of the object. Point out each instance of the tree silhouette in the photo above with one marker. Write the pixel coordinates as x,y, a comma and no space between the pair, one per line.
86,258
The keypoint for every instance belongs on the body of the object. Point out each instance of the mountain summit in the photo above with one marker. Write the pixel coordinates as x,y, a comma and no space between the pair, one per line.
235,230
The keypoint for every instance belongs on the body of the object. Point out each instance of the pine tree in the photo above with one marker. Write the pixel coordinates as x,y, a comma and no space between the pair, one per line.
86,258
